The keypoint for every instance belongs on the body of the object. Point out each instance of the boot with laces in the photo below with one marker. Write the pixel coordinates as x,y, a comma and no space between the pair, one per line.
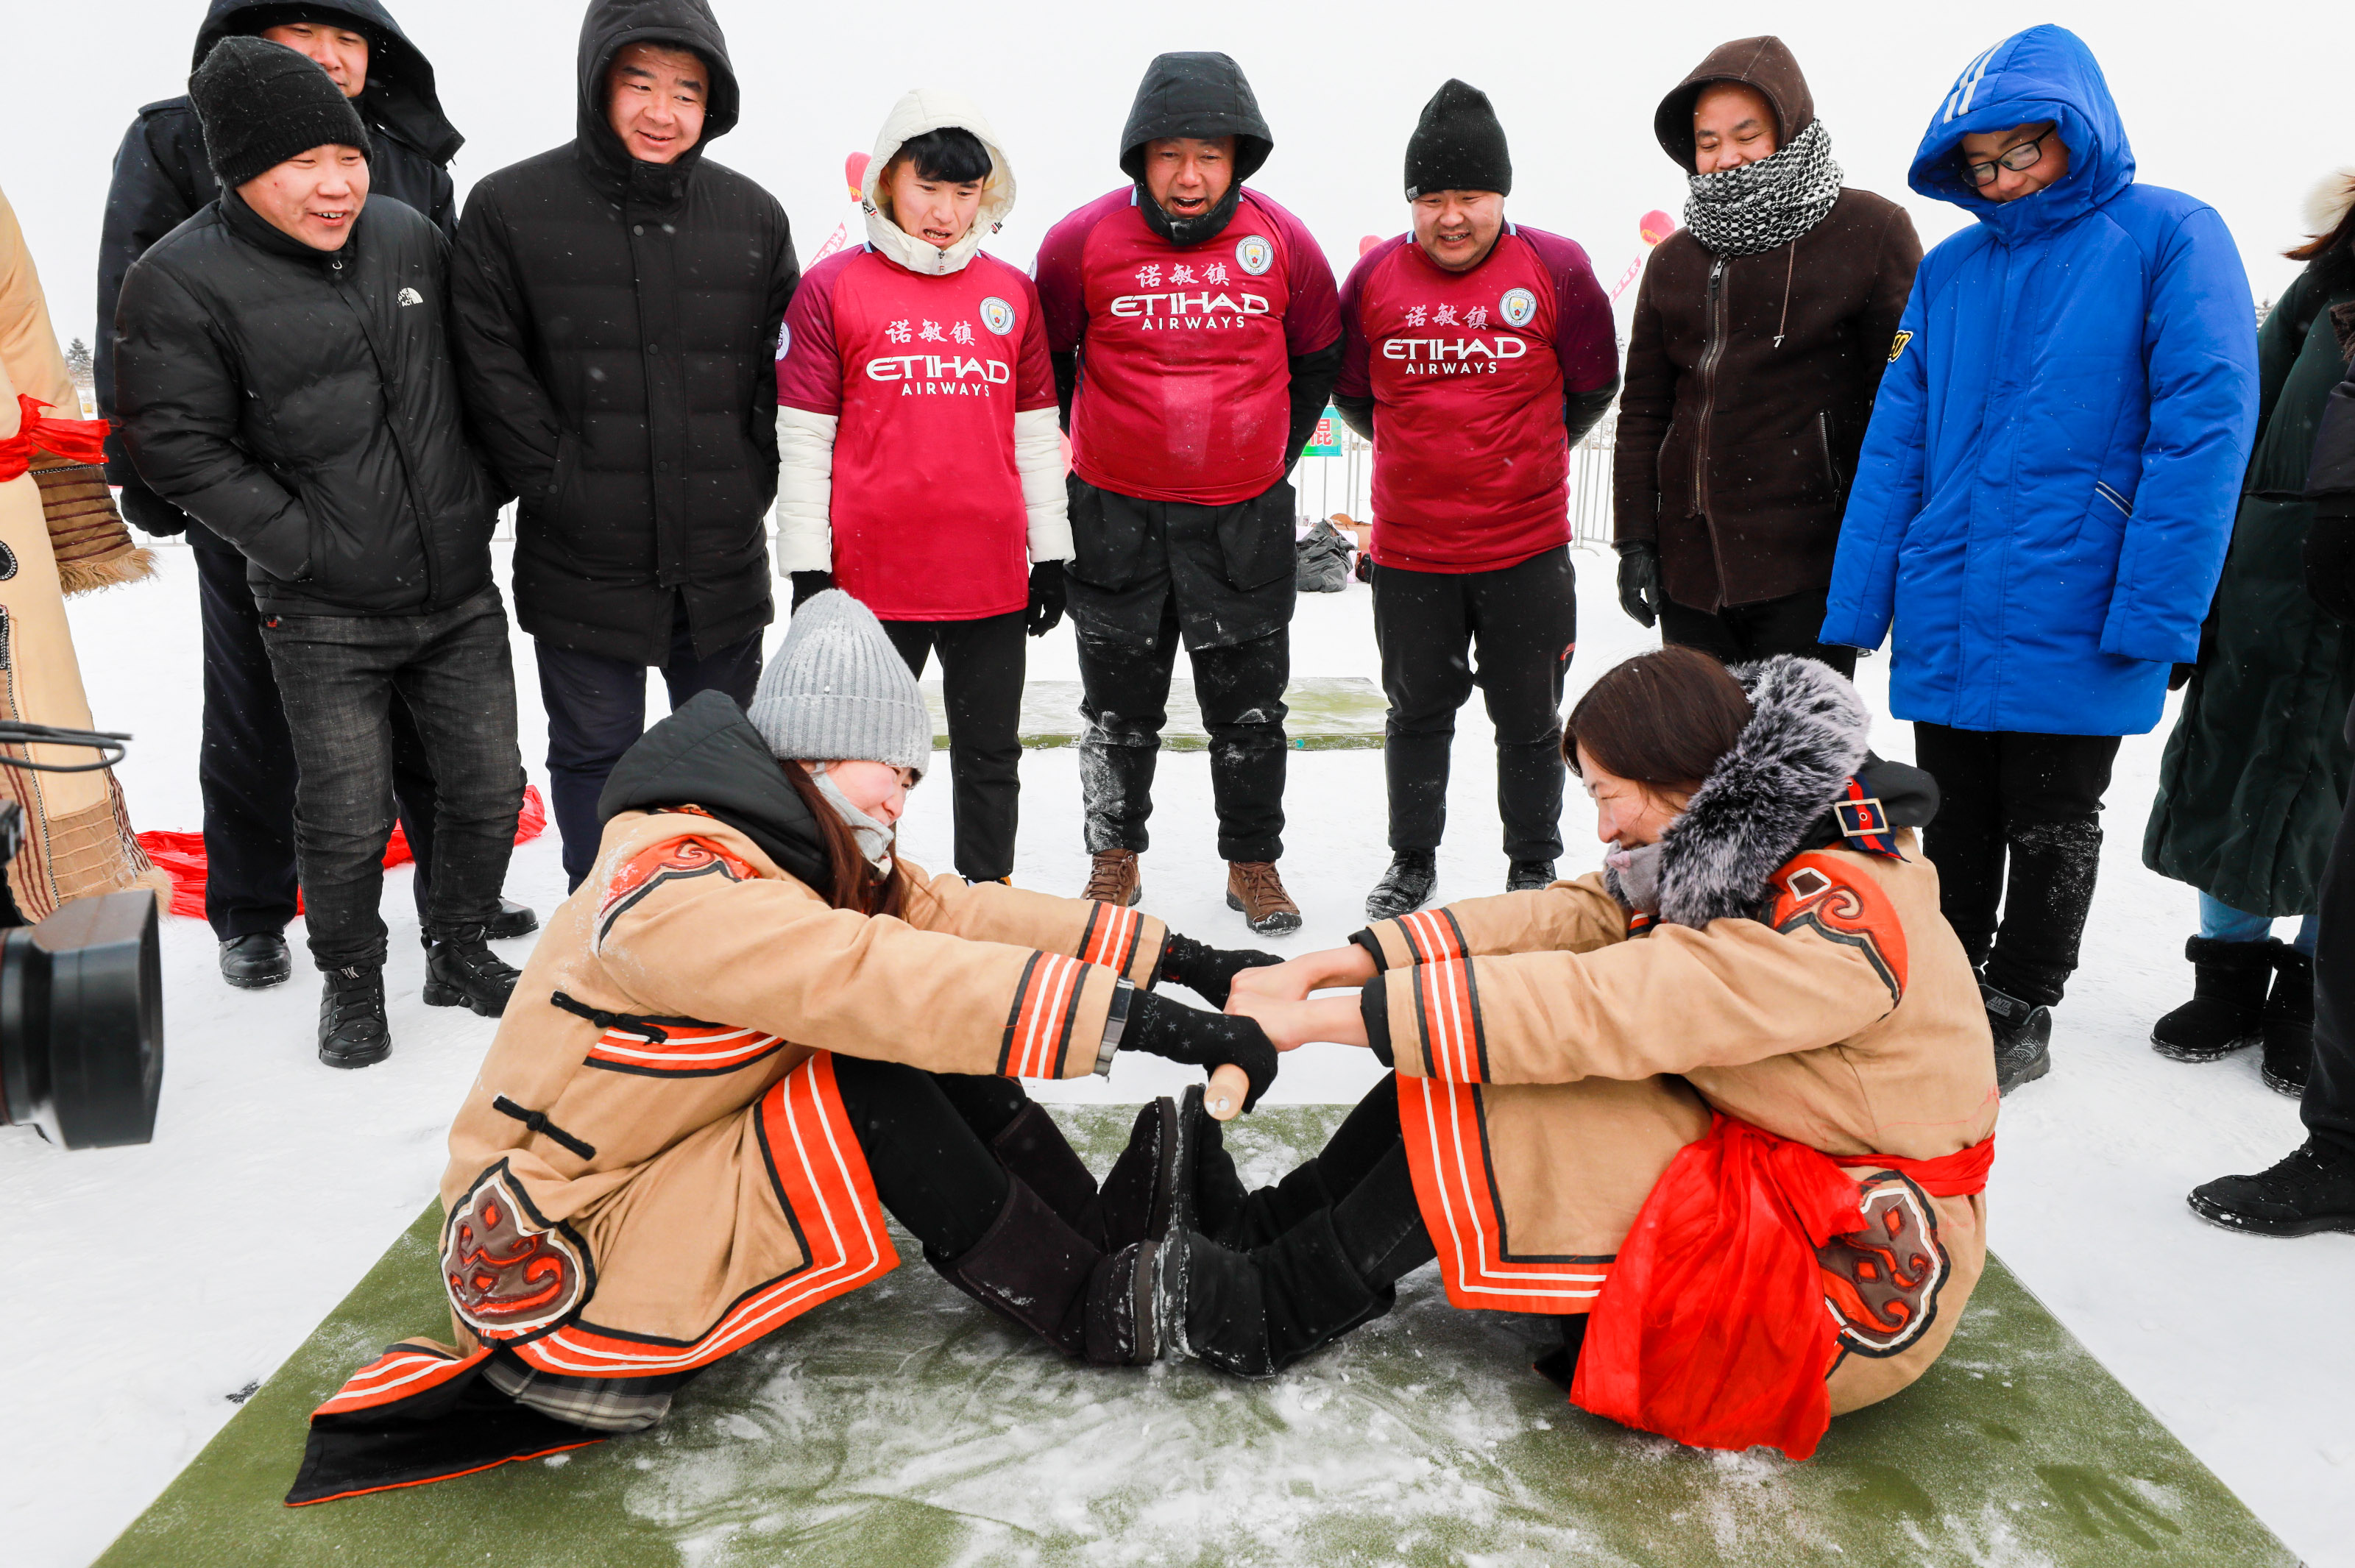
1114,878
461,971
352,1028
1254,888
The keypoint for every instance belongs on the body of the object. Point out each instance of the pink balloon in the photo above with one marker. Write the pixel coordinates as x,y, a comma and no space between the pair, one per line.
1656,226
1367,242
854,170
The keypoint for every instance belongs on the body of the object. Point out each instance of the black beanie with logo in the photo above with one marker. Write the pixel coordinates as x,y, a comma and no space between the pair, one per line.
260,104
1458,144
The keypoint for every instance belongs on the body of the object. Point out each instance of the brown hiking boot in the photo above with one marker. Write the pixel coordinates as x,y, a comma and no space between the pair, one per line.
1254,888
1115,879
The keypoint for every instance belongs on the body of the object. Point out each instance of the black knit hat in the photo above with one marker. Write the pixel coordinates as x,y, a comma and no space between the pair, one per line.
1458,144
260,104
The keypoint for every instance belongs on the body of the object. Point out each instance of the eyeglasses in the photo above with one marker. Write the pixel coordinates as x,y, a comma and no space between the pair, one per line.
2017,160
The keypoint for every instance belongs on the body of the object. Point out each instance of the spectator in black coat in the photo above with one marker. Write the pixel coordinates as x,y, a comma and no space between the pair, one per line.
2313,1187
617,303
283,376
161,178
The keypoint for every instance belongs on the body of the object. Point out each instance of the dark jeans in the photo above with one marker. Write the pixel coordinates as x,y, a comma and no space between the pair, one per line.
597,709
245,766
1741,632
340,676
982,664
1524,619
2035,801
2328,1107
1240,689
926,1140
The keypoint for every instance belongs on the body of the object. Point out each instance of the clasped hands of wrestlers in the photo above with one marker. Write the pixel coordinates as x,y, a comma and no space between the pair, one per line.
1268,1008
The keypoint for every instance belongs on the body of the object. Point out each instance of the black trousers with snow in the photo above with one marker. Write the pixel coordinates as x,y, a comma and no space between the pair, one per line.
245,763
926,1139
1149,574
1524,621
1738,634
982,666
596,707
2020,824
2328,1107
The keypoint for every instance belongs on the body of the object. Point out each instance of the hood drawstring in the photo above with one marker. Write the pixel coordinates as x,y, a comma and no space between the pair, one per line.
1789,268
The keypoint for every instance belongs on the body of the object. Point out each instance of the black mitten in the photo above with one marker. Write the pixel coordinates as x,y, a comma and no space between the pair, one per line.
1208,971
1175,1033
1047,598
806,584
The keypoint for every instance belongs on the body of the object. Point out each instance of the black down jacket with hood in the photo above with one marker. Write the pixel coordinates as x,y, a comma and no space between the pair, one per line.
302,405
163,178
617,330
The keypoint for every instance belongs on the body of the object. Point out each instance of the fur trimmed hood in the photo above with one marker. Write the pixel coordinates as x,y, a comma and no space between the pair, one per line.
1766,799
924,110
2327,203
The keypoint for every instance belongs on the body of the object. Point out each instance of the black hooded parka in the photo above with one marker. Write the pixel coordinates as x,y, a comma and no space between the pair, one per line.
163,178
617,329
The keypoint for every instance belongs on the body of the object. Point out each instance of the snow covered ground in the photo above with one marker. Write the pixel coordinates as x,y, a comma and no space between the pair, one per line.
146,1288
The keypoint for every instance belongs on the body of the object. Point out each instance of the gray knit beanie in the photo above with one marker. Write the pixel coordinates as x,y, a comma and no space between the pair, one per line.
838,691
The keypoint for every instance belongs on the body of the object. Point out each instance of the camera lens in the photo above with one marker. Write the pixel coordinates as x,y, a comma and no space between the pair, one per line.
81,1022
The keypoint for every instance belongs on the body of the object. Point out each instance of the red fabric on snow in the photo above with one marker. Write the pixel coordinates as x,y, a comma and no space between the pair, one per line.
183,854
1712,1329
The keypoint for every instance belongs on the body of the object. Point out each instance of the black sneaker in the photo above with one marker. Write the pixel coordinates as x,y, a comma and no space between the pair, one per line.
352,1028
461,971
1406,886
255,960
513,920
2023,1039
2313,1189
1529,876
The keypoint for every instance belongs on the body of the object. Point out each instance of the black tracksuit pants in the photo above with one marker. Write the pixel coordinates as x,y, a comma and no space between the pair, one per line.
1524,621
2328,1107
2020,824
982,666
926,1137
1738,634
245,766
596,707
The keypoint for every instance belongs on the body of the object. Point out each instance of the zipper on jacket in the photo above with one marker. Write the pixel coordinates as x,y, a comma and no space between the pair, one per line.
1712,350
1823,437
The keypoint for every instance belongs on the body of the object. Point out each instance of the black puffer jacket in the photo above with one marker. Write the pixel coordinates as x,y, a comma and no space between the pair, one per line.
617,327
302,405
161,179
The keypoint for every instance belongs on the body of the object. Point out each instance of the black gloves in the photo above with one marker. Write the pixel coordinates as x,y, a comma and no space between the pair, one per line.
1208,971
1176,1032
1639,583
1047,598
808,583
2330,556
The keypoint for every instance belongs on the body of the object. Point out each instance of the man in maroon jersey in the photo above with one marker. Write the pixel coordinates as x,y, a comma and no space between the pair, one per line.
1481,351
1195,335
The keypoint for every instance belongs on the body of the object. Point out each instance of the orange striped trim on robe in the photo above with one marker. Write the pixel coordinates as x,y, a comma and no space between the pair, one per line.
1111,937
1447,1153
687,1050
403,1371
823,1183
1446,1004
1039,1026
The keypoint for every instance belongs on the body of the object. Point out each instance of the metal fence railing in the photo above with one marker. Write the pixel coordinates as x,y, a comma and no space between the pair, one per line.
1344,483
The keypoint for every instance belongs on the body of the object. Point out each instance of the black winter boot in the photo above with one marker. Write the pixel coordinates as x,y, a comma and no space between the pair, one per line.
2023,1036
255,960
2228,1001
352,1028
513,920
2289,1021
1133,1203
461,971
1529,876
1406,887
2312,1189
1256,1313
1033,1268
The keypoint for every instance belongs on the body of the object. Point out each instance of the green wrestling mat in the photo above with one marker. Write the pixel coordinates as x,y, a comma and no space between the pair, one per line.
1329,713
902,1424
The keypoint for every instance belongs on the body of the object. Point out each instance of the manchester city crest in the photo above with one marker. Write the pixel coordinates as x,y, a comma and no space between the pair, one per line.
1518,307
998,315
1255,253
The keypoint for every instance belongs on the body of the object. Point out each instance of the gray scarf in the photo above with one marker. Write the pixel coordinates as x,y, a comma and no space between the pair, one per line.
1766,205
874,837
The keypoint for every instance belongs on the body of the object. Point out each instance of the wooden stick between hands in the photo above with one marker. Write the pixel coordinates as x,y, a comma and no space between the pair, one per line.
1223,1097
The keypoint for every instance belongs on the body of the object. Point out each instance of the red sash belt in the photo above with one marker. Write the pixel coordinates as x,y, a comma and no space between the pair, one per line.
83,441
1712,1328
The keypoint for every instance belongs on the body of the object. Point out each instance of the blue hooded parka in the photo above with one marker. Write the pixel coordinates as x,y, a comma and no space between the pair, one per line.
2046,490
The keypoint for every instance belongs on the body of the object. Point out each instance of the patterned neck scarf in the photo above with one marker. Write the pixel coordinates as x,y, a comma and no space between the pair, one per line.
1766,205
